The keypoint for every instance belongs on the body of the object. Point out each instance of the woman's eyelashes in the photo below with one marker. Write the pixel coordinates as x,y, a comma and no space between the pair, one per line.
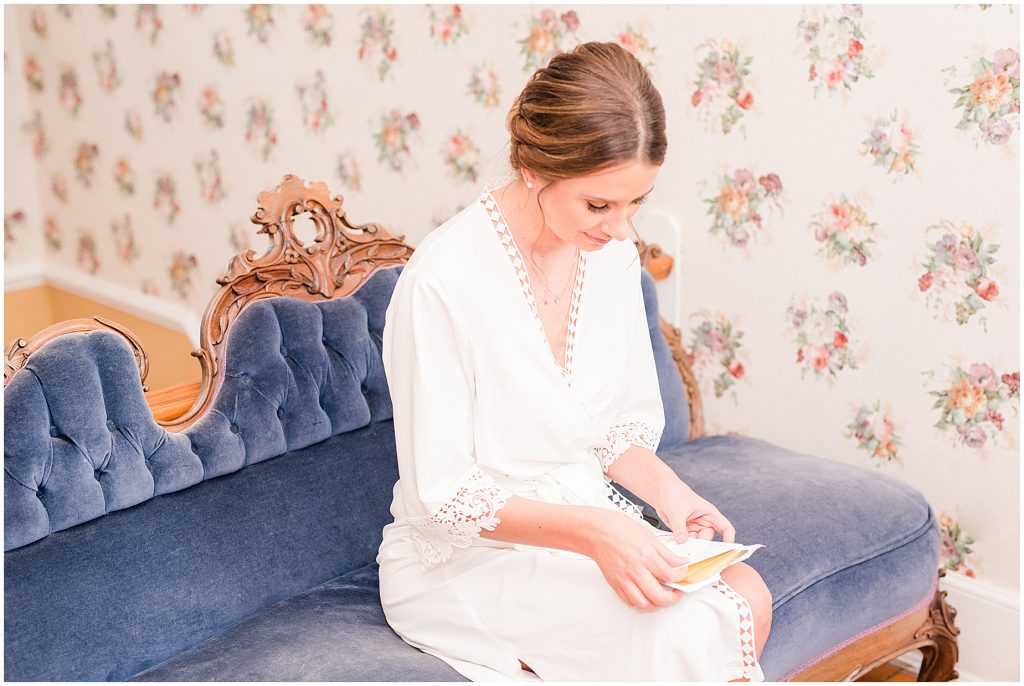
604,208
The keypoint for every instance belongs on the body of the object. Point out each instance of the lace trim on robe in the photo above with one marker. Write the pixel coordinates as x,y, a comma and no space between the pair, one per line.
623,435
459,520
747,651
519,265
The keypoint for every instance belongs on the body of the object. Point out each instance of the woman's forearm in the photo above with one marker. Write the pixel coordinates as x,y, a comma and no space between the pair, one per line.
645,474
552,525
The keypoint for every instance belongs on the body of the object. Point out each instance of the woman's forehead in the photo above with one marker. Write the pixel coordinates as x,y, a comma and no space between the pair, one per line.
621,184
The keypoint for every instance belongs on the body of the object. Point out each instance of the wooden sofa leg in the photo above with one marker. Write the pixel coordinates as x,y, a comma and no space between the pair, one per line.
937,635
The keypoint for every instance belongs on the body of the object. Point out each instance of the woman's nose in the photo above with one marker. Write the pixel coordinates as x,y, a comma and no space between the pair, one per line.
620,230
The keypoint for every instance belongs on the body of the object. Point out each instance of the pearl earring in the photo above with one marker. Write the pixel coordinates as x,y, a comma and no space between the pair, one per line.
529,185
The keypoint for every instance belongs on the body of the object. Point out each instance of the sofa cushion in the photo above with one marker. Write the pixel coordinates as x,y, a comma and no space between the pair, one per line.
334,632
846,548
836,537
105,599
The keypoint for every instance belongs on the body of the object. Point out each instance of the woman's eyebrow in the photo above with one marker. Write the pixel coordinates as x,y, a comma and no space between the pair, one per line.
609,202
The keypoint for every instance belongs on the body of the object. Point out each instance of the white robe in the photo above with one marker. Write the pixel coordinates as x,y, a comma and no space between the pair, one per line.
482,411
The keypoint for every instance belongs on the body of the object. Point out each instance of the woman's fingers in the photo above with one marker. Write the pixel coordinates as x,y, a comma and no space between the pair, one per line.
656,594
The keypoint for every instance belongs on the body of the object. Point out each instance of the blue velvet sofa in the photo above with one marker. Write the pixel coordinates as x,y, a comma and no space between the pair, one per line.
237,542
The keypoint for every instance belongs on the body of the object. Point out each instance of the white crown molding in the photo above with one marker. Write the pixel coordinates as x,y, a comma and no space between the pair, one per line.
149,307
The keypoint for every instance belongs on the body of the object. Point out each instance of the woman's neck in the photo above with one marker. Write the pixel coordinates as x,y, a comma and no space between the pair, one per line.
529,223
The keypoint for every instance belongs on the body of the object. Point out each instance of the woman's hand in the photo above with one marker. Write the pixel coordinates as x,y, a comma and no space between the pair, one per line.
687,514
634,562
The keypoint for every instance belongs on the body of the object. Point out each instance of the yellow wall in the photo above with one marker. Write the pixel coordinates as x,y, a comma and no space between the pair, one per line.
28,310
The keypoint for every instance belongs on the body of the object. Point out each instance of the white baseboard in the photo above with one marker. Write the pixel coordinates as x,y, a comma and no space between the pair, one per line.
20,276
988,617
166,313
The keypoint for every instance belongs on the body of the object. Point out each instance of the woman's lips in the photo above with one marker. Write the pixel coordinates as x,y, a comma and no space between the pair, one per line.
599,241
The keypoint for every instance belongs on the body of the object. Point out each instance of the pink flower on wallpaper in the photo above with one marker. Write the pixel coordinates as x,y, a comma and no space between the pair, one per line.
348,171
974,403
133,124
124,239
124,176
636,43
260,129
722,94
34,128
833,44
85,162
318,24
892,145
212,108
12,221
182,272
738,207
33,75
462,157
446,26
990,98
70,95
958,279
211,187
483,85
316,115
821,334
165,92
376,33
52,234
87,258
222,49
147,19
59,187
395,129
875,433
260,19
844,231
956,555
714,350
106,68
39,26
165,197
547,35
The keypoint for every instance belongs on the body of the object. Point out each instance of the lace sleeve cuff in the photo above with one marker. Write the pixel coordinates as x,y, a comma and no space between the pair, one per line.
623,435
459,520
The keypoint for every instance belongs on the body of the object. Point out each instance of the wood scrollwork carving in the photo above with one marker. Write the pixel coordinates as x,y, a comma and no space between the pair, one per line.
18,351
659,264
340,258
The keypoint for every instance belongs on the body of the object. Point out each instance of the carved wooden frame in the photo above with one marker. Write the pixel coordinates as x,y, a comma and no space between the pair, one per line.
340,259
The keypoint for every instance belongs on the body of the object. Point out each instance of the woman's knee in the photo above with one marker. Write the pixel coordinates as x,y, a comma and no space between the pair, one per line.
745,580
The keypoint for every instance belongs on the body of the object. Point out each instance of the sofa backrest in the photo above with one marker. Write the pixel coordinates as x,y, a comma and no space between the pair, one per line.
284,484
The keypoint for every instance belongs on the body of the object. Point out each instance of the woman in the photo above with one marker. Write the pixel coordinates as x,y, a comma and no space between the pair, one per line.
523,380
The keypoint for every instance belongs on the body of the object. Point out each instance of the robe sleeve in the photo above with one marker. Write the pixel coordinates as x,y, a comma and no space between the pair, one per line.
639,417
447,498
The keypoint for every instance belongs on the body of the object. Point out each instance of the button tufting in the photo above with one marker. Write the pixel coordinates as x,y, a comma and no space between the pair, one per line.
284,351
324,340
54,432
97,473
234,428
110,425
280,412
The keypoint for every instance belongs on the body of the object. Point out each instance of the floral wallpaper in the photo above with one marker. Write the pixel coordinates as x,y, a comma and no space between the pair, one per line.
848,199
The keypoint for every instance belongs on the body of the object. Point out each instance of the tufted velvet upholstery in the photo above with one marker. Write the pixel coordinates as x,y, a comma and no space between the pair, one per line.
80,441
256,561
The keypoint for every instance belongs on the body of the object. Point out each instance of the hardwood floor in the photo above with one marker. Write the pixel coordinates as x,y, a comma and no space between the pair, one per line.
887,673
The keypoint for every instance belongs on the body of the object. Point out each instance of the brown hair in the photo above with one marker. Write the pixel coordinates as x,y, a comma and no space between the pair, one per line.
589,109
